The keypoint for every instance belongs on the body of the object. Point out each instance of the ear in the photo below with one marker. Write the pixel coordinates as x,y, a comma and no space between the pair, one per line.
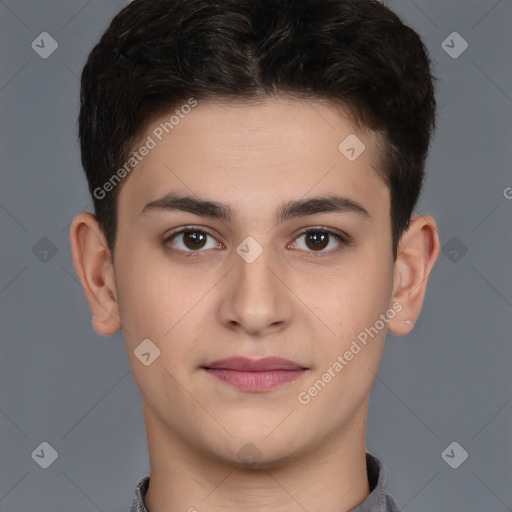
417,253
93,264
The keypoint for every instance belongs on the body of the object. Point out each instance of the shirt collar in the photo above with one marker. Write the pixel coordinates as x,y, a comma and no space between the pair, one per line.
377,501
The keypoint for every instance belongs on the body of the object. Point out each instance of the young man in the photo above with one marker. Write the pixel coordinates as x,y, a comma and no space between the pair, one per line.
254,166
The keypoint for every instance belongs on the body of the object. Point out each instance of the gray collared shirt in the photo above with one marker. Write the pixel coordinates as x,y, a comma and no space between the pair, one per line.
377,501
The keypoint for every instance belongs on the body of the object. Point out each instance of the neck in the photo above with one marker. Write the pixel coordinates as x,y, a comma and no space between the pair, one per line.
330,477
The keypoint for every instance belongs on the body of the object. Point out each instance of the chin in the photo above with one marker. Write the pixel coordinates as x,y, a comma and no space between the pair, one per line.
258,452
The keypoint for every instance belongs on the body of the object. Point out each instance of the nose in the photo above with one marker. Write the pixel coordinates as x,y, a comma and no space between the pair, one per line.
256,299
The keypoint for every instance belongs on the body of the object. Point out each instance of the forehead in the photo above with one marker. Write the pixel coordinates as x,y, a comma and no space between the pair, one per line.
239,152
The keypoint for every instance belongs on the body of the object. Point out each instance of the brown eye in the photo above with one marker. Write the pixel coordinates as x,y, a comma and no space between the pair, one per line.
194,239
318,239
191,240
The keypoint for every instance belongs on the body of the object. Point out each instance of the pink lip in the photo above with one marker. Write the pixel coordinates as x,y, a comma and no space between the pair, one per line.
255,374
255,365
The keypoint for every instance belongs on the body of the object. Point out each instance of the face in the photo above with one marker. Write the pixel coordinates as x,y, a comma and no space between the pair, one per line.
277,275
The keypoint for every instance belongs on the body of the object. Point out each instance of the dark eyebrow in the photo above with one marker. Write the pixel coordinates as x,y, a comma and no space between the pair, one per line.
292,209
329,204
172,202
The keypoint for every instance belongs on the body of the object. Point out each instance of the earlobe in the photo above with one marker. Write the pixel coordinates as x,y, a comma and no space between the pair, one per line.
92,262
417,253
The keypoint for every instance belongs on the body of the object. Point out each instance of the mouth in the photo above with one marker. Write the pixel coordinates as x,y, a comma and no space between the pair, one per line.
255,374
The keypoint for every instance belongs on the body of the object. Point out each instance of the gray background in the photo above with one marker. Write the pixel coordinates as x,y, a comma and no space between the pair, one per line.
449,380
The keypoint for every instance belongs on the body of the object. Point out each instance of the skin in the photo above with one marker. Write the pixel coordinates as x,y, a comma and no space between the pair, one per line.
289,302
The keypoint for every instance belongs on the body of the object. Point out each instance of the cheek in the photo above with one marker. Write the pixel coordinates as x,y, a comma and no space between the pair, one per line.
145,289
162,301
357,295
351,304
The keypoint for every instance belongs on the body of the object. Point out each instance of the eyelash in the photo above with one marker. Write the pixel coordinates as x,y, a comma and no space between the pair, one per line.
343,240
